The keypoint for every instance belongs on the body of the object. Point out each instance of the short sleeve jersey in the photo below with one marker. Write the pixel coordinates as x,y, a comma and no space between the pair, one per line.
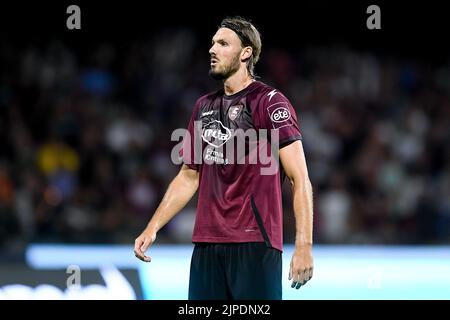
232,143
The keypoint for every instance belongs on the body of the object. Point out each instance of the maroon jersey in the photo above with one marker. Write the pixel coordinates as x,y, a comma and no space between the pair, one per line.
230,144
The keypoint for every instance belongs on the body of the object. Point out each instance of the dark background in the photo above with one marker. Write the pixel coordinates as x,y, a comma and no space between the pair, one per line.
415,29
145,63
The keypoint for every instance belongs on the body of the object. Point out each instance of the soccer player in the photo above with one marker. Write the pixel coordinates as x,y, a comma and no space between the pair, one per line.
238,232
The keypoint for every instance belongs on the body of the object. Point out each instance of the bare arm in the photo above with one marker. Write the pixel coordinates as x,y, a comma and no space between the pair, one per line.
180,191
293,161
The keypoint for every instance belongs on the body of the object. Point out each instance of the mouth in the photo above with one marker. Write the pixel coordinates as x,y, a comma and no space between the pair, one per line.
214,61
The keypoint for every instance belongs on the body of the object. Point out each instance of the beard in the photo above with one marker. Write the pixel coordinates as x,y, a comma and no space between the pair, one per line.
227,71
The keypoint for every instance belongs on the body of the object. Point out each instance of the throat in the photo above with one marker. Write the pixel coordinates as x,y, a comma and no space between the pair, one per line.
231,88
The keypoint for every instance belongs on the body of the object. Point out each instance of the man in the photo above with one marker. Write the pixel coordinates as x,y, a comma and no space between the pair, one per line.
238,229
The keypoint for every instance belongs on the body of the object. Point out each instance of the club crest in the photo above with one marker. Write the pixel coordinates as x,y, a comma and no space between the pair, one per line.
234,111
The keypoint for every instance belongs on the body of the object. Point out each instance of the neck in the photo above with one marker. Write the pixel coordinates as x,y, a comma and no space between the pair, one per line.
238,81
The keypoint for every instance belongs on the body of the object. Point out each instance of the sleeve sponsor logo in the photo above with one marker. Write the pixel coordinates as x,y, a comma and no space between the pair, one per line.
279,115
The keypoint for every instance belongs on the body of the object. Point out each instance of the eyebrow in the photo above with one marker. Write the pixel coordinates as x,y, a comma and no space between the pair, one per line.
219,40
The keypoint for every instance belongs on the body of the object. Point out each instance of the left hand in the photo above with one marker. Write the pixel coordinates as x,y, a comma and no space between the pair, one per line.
301,270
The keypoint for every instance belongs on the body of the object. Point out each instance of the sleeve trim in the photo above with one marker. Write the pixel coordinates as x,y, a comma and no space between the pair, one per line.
289,140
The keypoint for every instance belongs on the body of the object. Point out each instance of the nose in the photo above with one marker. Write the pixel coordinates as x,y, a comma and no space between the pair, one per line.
212,50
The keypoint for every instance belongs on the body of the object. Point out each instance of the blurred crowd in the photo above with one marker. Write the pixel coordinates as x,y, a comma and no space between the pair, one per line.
86,144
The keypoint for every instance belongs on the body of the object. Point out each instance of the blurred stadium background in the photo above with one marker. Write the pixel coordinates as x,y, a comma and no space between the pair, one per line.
86,118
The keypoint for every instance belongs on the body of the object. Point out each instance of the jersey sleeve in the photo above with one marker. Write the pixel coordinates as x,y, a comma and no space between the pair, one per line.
276,112
187,151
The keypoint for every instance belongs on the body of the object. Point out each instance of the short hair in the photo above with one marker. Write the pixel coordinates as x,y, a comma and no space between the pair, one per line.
249,37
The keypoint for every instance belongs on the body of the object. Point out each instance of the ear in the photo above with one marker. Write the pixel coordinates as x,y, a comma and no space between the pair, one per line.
246,53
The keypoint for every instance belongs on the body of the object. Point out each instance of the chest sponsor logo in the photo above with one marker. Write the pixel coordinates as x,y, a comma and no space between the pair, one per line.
215,133
234,111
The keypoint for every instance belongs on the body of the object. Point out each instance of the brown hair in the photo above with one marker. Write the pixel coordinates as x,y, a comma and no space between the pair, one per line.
249,36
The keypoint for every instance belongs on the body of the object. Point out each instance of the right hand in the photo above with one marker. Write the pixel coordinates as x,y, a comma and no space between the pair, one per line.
142,243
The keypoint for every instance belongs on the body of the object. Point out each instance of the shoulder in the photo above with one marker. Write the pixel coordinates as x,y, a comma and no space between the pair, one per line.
206,99
259,89
270,95
267,95
274,108
210,96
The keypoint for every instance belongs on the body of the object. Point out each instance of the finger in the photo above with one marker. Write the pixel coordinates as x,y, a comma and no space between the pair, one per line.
144,248
137,251
294,280
142,257
137,245
145,244
308,275
290,271
294,276
147,258
301,279
138,255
